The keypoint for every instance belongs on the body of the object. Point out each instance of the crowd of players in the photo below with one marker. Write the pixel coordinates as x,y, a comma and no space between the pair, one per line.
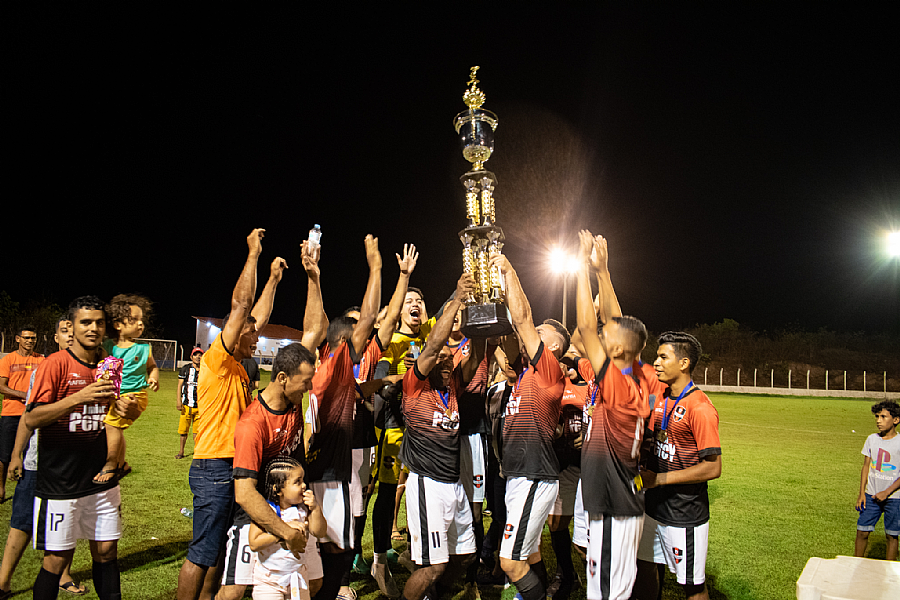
407,403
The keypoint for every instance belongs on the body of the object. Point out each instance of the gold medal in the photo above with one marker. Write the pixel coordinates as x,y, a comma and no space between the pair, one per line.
591,411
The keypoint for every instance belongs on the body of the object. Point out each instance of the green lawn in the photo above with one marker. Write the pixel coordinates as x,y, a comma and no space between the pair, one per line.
788,489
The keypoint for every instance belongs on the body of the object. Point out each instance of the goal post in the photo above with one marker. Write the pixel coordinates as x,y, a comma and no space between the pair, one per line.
164,352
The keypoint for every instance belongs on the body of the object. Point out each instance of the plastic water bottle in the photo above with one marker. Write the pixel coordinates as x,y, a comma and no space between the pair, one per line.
413,350
315,236
187,513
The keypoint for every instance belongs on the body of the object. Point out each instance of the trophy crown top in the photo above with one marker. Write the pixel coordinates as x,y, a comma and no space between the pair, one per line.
473,97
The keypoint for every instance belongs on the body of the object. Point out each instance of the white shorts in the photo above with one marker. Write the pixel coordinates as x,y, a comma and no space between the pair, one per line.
579,531
611,556
473,466
439,520
334,498
569,480
528,503
683,549
239,558
58,524
363,459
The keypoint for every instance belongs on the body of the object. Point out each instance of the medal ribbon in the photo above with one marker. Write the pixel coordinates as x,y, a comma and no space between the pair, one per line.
667,414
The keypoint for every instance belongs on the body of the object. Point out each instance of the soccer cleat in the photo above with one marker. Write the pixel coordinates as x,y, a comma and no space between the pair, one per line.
385,581
360,565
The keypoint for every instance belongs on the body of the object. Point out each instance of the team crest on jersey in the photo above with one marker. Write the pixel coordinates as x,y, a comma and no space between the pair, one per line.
593,568
679,555
679,413
508,531
465,350
478,481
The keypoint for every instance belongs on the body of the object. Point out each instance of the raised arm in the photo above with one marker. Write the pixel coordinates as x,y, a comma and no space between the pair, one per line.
407,265
368,310
607,302
315,322
439,335
244,292
519,308
262,310
586,317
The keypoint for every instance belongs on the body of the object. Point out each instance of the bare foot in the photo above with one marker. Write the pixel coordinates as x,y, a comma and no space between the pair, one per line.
179,456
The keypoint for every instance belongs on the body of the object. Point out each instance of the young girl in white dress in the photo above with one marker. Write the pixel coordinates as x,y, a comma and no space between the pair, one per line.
278,573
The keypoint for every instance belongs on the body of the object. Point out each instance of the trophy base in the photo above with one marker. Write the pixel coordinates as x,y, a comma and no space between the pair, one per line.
485,320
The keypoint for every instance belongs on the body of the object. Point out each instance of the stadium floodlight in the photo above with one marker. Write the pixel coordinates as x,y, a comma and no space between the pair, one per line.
893,243
563,263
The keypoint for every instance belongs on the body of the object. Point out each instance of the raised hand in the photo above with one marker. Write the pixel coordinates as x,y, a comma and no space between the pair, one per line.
408,261
310,259
600,255
585,244
277,269
254,241
501,262
373,256
465,286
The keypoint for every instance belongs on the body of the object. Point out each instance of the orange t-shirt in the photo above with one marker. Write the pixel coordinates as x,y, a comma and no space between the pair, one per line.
18,370
223,392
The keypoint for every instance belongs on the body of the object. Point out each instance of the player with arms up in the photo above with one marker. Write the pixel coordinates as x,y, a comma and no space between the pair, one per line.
530,464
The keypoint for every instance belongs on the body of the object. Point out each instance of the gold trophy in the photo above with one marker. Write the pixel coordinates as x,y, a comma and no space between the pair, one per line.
484,314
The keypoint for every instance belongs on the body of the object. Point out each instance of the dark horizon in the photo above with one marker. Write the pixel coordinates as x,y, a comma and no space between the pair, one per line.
742,160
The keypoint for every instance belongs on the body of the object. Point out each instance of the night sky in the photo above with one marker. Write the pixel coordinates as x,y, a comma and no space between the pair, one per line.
742,159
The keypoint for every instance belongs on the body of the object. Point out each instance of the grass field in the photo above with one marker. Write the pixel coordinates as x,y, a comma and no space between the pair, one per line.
787,492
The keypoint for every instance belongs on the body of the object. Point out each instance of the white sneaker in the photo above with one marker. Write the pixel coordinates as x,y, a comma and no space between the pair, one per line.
385,580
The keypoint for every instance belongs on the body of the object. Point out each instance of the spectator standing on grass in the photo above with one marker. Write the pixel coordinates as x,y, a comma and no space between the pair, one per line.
16,369
686,453
252,369
223,395
271,428
186,404
69,407
23,467
879,486
139,372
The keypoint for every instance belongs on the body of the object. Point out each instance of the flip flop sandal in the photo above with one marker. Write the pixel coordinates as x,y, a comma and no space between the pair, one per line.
113,472
73,588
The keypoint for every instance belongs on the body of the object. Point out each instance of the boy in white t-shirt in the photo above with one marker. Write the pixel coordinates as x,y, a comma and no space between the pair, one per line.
879,486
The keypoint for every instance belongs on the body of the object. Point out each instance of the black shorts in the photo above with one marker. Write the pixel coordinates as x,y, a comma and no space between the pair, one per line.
8,427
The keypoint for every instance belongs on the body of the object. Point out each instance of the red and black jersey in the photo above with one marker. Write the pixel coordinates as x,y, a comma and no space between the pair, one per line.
532,414
692,433
473,401
73,449
364,421
332,403
263,434
614,414
570,424
431,442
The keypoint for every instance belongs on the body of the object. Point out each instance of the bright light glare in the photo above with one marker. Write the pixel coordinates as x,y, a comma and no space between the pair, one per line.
894,243
562,262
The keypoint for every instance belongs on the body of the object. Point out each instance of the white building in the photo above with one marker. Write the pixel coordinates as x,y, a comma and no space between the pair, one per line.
271,338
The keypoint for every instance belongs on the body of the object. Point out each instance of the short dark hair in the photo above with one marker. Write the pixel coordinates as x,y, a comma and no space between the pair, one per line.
86,303
289,359
889,405
27,327
636,332
342,327
684,344
417,291
276,475
563,332
250,319
347,311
